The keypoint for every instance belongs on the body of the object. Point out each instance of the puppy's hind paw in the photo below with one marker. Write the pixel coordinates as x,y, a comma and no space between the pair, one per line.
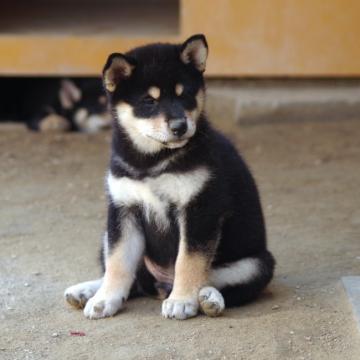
78,295
211,301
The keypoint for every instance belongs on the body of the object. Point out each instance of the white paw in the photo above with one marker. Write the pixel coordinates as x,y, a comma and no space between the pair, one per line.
101,305
180,309
211,301
78,295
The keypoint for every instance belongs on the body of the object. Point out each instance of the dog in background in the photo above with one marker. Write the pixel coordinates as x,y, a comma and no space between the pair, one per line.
46,104
185,221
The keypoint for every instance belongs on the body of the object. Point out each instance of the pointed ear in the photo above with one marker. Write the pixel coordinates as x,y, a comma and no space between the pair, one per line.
118,67
69,94
195,51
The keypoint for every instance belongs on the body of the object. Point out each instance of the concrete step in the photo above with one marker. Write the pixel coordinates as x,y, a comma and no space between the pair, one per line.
352,287
249,101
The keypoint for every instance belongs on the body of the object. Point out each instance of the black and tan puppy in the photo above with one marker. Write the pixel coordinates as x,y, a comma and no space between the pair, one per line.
184,217
53,104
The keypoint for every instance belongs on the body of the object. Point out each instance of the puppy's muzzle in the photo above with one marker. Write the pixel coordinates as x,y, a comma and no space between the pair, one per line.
178,126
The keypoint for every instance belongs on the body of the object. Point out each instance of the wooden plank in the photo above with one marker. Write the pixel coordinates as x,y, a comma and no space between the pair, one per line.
308,38
62,55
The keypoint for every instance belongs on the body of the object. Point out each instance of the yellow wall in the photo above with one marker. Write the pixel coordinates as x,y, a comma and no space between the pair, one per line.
278,37
246,38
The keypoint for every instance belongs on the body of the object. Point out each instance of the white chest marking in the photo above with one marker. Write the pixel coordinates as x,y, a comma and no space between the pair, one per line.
156,193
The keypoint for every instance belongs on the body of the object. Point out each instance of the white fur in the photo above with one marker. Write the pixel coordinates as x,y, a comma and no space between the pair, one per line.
79,294
110,297
69,94
239,272
135,130
105,246
80,116
180,309
196,52
104,305
179,88
149,137
91,123
128,192
130,247
211,301
156,193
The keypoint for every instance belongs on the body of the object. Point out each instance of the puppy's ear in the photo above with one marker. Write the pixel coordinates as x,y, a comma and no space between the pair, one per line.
195,51
69,94
118,67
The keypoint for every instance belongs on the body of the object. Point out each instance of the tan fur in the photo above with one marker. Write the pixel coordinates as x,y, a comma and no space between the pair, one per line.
200,102
102,100
54,122
118,68
116,274
122,261
191,273
159,123
179,88
154,92
197,52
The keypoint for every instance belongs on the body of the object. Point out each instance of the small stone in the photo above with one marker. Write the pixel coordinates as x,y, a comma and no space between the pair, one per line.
298,298
26,284
297,286
275,307
55,334
13,256
36,273
291,332
308,338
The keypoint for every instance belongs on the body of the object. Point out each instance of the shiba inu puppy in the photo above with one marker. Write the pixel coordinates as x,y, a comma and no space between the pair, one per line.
51,104
184,216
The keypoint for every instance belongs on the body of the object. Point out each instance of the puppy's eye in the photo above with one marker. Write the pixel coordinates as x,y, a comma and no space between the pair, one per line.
149,100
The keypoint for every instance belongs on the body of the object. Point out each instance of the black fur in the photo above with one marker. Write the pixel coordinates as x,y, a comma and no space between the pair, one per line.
230,200
30,100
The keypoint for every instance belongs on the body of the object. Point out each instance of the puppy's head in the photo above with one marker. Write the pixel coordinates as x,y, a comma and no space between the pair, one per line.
157,92
84,103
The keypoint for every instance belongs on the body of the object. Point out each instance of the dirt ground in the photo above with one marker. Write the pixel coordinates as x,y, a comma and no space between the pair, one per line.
52,214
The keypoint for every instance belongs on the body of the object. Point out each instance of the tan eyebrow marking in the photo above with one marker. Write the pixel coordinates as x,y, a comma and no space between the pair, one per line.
179,88
154,92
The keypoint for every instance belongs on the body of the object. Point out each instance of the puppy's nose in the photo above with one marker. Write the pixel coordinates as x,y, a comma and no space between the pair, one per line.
178,127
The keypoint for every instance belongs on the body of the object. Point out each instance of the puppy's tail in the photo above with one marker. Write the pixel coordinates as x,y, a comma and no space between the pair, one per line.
242,281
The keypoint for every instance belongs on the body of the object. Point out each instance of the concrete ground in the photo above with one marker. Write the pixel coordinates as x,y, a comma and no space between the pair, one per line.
52,213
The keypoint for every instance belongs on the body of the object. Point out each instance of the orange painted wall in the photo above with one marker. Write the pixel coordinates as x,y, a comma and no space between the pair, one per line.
247,38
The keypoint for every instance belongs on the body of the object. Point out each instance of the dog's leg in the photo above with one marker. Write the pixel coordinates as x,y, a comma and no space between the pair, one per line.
125,249
191,268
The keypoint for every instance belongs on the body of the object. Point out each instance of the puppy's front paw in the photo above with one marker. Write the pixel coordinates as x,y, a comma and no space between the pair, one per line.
54,123
180,309
101,306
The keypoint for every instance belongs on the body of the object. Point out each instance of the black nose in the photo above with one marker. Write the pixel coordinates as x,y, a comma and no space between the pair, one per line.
178,127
